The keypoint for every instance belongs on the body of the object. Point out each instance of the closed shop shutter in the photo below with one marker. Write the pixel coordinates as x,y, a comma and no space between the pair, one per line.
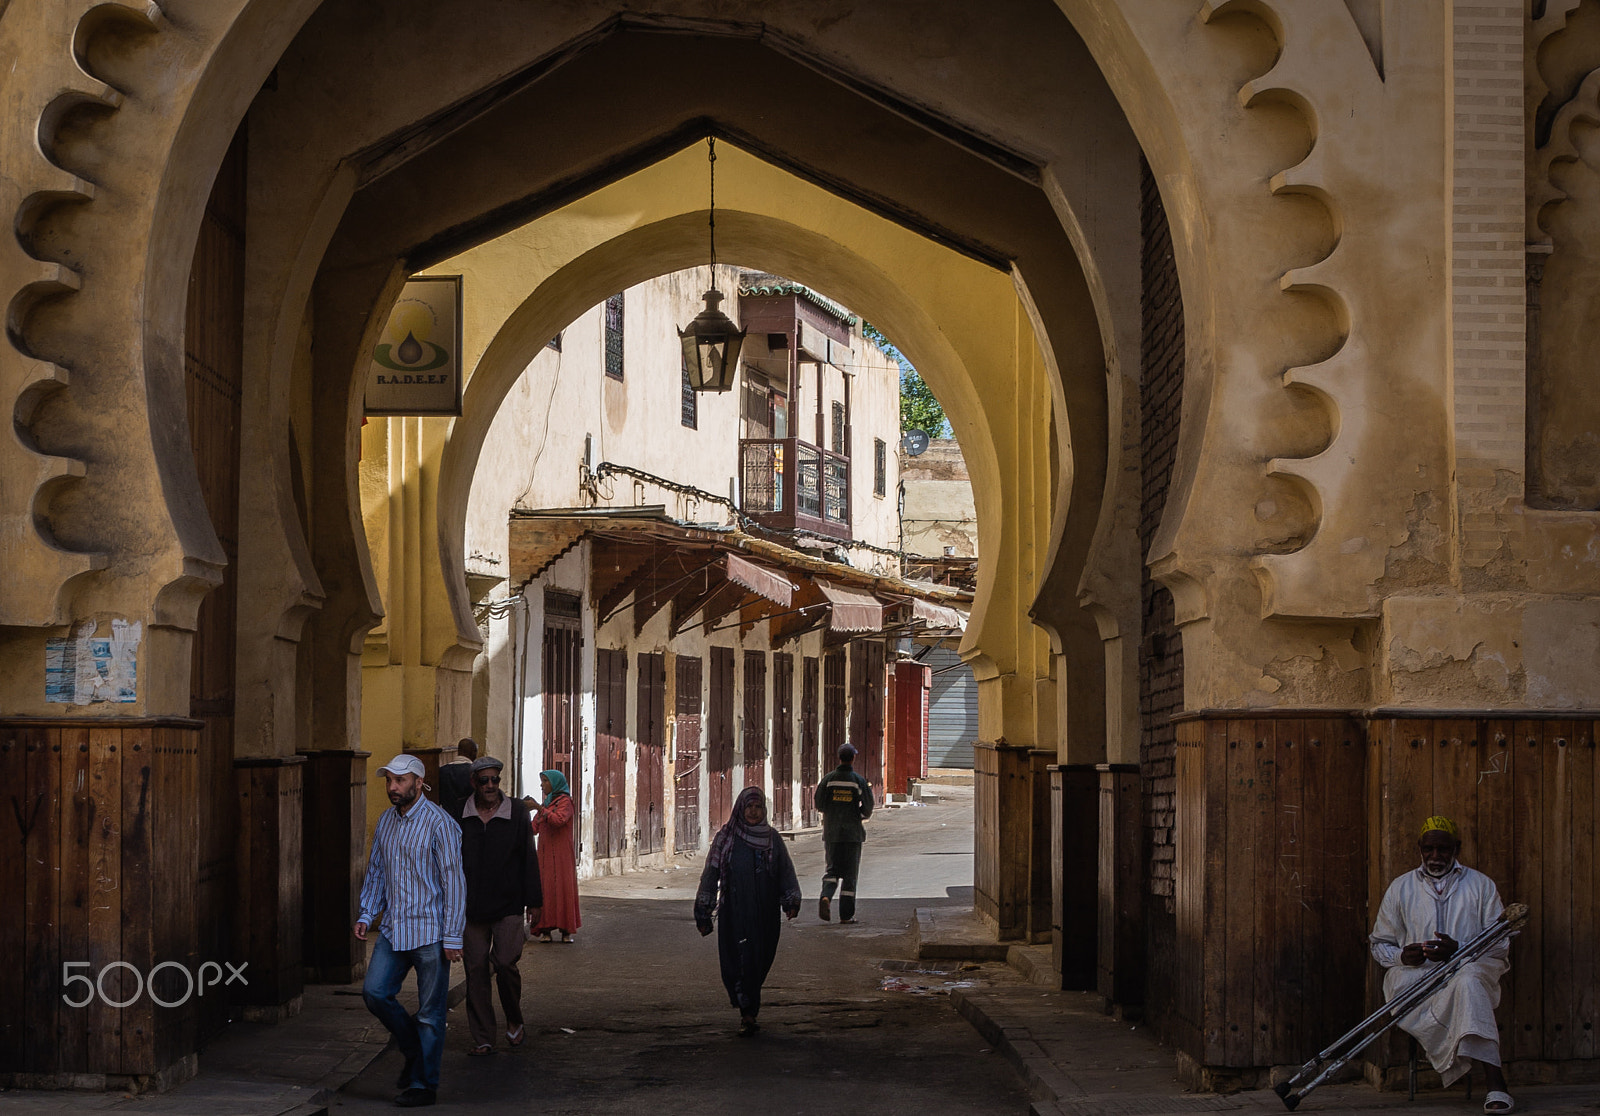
952,710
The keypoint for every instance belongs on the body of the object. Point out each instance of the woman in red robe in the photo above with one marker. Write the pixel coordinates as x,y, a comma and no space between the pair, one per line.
558,859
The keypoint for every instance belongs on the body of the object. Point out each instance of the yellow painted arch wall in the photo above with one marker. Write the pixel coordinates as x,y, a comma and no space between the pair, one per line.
960,321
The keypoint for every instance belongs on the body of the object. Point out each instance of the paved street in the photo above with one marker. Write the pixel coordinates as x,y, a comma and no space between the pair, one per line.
633,1019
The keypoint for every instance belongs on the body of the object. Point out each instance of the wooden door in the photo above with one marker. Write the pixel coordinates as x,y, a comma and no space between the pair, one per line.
810,743
866,711
650,823
755,718
907,731
686,756
782,740
720,773
610,756
833,707
561,680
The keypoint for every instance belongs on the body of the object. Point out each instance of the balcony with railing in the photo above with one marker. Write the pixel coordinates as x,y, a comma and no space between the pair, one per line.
790,485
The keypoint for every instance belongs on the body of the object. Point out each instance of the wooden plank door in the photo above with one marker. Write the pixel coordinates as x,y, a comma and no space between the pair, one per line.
686,756
810,743
720,773
782,740
866,712
755,718
650,823
833,707
561,681
610,756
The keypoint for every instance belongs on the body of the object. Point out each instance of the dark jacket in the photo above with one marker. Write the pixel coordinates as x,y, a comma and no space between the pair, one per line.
845,800
455,787
499,861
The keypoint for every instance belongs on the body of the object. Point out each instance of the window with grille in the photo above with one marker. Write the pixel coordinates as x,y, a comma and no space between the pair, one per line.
838,427
614,336
691,400
880,467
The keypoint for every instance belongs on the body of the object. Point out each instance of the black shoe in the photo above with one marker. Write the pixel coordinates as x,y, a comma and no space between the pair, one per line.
415,1098
823,905
406,1073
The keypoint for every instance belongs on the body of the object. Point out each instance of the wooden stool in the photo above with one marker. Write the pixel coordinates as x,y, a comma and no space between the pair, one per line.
1411,1093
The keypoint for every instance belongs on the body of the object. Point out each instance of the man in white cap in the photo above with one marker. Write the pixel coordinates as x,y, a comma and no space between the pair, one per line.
416,894
1425,916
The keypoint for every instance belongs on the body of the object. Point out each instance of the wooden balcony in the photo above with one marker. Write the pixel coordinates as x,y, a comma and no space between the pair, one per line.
790,485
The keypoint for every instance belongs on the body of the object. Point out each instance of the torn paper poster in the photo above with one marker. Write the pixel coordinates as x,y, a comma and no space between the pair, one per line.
88,668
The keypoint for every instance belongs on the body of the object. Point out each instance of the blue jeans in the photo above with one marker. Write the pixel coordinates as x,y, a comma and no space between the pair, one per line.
420,1036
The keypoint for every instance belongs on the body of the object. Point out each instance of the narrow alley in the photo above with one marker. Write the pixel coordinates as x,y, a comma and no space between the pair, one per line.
632,1018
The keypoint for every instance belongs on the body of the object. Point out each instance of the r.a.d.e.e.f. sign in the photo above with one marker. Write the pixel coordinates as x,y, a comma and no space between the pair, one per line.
416,364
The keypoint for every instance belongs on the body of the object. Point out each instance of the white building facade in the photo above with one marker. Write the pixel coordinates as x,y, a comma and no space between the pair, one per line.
689,593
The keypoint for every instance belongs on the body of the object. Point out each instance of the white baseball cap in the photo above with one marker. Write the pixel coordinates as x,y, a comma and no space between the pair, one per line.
402,764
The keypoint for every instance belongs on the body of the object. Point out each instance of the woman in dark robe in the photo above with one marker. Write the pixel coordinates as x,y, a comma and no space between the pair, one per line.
748,879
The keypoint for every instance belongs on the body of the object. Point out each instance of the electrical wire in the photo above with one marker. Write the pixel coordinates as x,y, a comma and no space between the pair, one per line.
544,439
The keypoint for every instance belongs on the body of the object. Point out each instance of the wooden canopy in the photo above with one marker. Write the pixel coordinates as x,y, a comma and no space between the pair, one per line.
643,561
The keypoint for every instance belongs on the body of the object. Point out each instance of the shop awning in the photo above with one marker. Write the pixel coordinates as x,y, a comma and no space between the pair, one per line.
938,616
763,582
851,611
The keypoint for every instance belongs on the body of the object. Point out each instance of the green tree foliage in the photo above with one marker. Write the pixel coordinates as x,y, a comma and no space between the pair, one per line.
919,407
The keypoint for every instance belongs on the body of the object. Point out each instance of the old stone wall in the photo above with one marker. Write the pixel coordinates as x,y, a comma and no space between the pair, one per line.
1160,649
1160,645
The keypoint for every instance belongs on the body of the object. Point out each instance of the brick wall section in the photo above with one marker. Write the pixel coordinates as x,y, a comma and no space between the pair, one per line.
1160,649
1488,261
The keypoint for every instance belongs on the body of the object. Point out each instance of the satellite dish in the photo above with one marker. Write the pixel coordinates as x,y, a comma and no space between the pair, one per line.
915,442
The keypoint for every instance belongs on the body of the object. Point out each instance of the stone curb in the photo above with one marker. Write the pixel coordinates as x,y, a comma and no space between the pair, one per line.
1016,1043
926,944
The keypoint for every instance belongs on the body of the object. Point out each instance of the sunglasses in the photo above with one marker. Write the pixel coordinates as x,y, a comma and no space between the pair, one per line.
485,780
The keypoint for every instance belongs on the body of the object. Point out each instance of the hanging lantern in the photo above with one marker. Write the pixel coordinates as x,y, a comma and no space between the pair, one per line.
711,345
711,342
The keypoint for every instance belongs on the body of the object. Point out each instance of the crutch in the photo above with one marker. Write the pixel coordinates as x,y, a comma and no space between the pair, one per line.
1331,1060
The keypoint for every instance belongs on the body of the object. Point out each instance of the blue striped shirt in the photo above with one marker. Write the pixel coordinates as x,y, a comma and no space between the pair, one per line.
414,879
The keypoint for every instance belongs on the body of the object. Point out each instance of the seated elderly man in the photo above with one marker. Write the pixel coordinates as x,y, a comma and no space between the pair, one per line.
1426,914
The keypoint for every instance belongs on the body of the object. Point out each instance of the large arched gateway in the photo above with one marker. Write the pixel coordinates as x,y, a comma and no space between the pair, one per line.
1296,554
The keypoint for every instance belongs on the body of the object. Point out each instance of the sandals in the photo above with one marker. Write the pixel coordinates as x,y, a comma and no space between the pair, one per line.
1498,1101
516,1036
481,1050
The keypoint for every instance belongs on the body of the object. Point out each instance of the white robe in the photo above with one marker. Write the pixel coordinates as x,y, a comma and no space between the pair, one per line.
1456,1024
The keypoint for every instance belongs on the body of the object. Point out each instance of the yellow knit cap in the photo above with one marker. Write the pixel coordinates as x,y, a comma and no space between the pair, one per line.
1439,821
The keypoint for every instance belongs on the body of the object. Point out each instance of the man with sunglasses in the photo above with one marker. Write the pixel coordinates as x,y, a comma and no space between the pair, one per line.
502,871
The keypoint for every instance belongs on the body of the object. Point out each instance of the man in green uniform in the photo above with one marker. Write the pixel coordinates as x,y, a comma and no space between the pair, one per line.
845,800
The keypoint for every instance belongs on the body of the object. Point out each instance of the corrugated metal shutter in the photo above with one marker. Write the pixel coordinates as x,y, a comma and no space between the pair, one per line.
952,710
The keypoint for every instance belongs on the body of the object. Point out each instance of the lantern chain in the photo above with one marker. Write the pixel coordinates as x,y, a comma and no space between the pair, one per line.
711,158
